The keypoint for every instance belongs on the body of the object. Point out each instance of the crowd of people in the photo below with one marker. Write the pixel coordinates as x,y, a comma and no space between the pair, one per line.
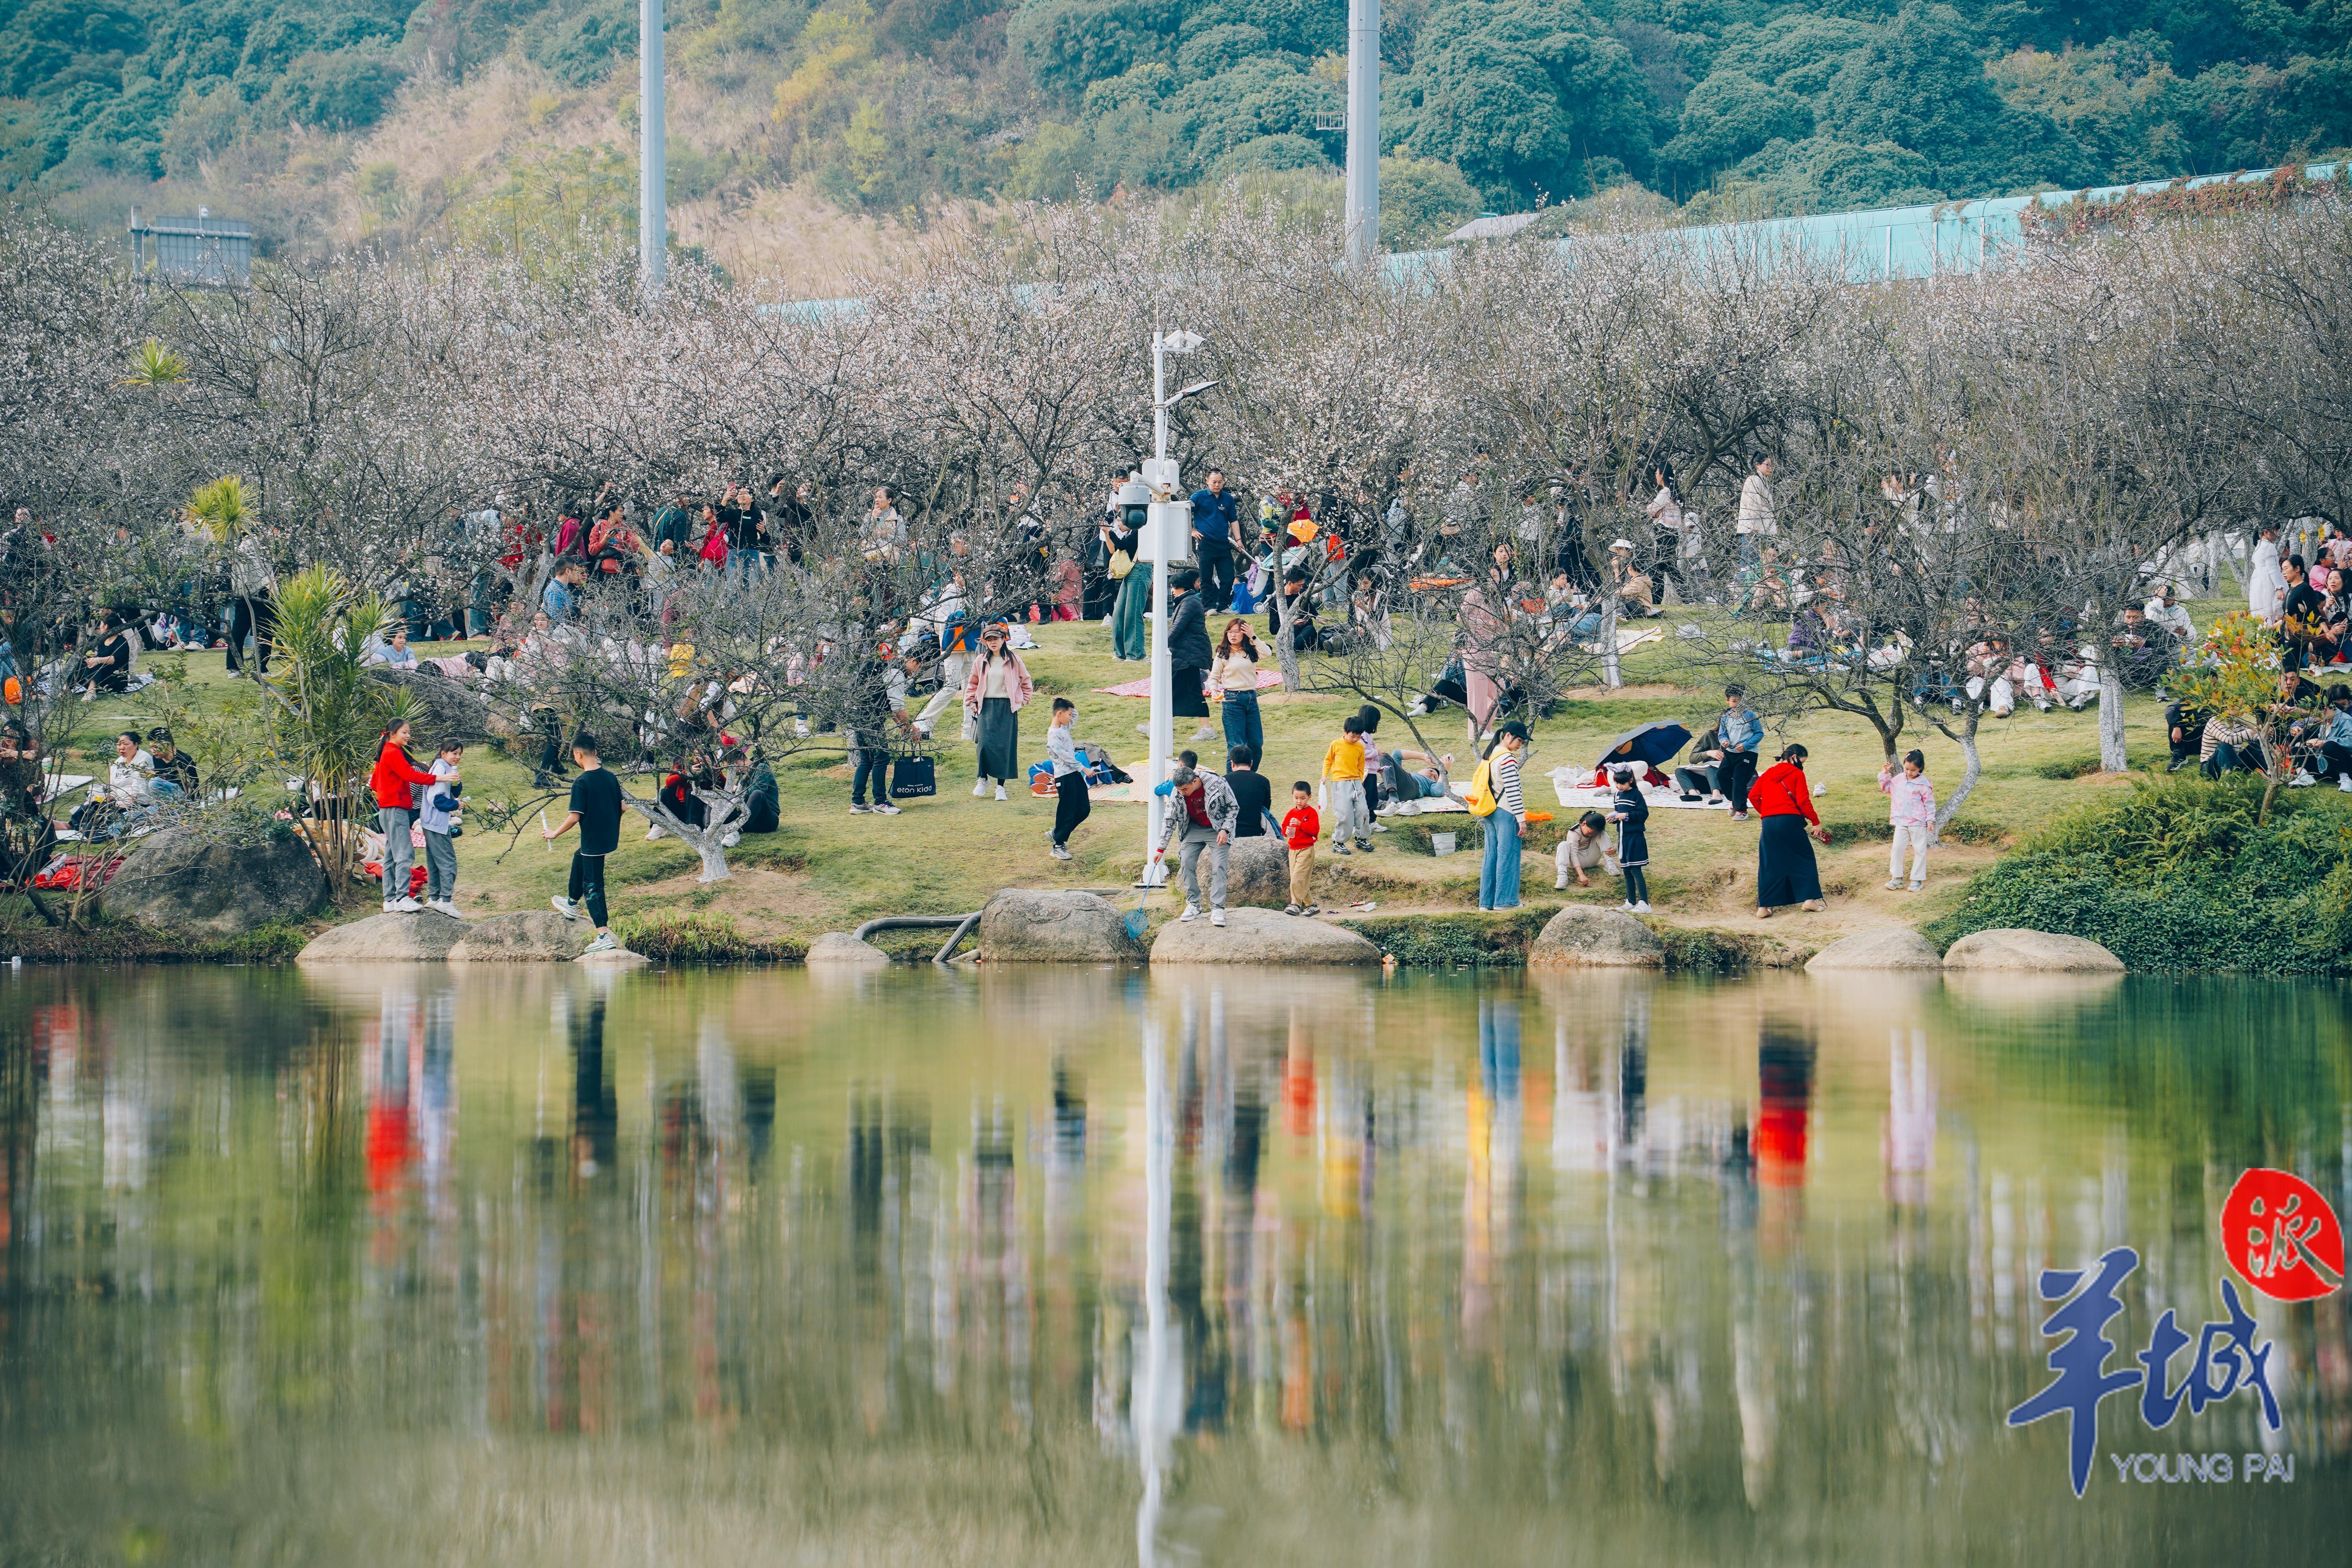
1323,571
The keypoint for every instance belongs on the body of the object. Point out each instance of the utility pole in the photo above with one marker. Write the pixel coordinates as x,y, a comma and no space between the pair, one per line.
653,206
1363,210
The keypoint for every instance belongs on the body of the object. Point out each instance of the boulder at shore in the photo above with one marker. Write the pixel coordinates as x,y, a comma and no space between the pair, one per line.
1258,873
839,948
612,959
533,936
425,937
1261,936
1581,936
2019,950
1889,947
183,881
1021,925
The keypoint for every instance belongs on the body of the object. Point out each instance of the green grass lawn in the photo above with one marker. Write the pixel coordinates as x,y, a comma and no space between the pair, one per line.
827,869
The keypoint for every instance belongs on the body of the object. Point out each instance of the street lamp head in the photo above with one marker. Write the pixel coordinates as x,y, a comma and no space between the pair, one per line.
1182,343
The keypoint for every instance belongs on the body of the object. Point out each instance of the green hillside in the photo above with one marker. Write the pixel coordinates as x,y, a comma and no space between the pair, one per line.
891,111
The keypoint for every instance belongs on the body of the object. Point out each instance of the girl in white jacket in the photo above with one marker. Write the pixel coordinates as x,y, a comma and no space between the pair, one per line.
1911,809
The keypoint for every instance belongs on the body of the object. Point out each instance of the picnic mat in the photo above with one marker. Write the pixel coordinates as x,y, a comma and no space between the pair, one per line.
1577,794
1266,679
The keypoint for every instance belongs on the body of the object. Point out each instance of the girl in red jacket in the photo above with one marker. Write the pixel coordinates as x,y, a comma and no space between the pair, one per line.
394,782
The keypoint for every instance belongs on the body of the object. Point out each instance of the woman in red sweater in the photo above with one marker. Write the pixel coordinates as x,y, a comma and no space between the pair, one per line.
1785,872
393,783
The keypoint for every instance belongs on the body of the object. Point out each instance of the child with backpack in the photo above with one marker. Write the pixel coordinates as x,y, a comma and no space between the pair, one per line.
438,815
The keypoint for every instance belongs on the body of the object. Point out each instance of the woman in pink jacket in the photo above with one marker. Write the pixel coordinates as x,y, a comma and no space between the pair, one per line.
995,693
1911,809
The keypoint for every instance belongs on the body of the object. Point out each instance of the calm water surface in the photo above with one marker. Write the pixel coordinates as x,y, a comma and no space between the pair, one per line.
420,1266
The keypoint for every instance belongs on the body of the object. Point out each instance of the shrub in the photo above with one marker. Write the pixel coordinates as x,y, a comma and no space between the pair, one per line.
2178,875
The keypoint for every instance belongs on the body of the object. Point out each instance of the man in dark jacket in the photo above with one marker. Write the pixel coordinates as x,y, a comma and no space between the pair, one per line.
1189,654
1215,513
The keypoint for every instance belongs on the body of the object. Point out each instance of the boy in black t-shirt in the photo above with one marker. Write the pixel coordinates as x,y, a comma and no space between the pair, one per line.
1254,794
596,807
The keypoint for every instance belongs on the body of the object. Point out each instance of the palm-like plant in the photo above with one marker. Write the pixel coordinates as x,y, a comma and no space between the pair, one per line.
327,715
219,508
155,365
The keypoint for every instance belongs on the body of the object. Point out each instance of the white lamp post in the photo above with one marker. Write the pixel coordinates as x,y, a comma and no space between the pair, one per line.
1169,539
653,206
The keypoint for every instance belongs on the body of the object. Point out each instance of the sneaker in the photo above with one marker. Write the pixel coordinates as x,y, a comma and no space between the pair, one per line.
407,906
1059,851
857,810
2345,784
883,808
1314,909
979,788
390,906
1420,708
1143,729
1893,884
1557,883
1627,907
604,943
1642,908
1365,845
565,907
1191,912
2301,780
656,831
1917,885
731,839
1379,827
1203,733
1292,909
1000,792
1338,849
1217,916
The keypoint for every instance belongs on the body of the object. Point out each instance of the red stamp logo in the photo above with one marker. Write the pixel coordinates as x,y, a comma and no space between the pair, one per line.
2283,1236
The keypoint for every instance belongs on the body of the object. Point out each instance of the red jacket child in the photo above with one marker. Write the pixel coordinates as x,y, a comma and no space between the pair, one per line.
393,777
1301,827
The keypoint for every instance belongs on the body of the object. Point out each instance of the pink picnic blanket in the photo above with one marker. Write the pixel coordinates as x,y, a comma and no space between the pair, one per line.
1265,678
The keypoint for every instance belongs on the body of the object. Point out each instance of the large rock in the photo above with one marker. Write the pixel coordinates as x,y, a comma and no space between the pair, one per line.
1258,873
451,711
2017,951
1889,947
613,959
1261,936
180,879
839,948
425,937
534,936
1581,936
1021,925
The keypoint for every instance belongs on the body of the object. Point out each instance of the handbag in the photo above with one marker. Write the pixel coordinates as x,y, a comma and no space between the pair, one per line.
714,549
1121,563
913,777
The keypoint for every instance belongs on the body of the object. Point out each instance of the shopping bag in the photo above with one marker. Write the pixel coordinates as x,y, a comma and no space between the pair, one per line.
913,777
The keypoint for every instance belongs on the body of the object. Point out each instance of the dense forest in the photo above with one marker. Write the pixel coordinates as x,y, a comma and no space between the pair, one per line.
892,107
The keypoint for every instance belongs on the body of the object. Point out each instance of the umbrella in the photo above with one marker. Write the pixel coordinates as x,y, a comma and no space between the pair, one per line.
1650,743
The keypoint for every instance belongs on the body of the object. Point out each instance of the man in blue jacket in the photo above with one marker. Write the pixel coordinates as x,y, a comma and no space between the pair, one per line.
1215,511
1740,731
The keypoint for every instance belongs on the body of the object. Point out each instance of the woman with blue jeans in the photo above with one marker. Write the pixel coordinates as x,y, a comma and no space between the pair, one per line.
1233,675
1498,873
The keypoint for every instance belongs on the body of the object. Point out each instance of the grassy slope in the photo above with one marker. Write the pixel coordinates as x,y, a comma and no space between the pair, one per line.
827,869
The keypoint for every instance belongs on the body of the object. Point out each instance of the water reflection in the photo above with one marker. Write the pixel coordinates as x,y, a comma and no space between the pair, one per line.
1080,1268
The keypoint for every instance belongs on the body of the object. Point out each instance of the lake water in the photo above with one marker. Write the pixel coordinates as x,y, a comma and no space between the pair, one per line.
1286,1268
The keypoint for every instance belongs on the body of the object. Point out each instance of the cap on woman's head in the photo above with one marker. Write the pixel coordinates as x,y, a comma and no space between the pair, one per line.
1625,544
1513,728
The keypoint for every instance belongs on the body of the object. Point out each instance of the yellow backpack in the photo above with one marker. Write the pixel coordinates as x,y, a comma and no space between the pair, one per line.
1481,796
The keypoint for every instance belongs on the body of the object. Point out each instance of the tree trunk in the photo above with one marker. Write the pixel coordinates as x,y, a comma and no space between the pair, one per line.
725,811
1971,769
2112,758
1286,645
1612,675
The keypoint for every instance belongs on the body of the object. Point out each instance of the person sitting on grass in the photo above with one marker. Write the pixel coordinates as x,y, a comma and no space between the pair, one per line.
175,769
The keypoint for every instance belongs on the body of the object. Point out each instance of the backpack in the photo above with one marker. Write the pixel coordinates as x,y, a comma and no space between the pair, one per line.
1481,796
